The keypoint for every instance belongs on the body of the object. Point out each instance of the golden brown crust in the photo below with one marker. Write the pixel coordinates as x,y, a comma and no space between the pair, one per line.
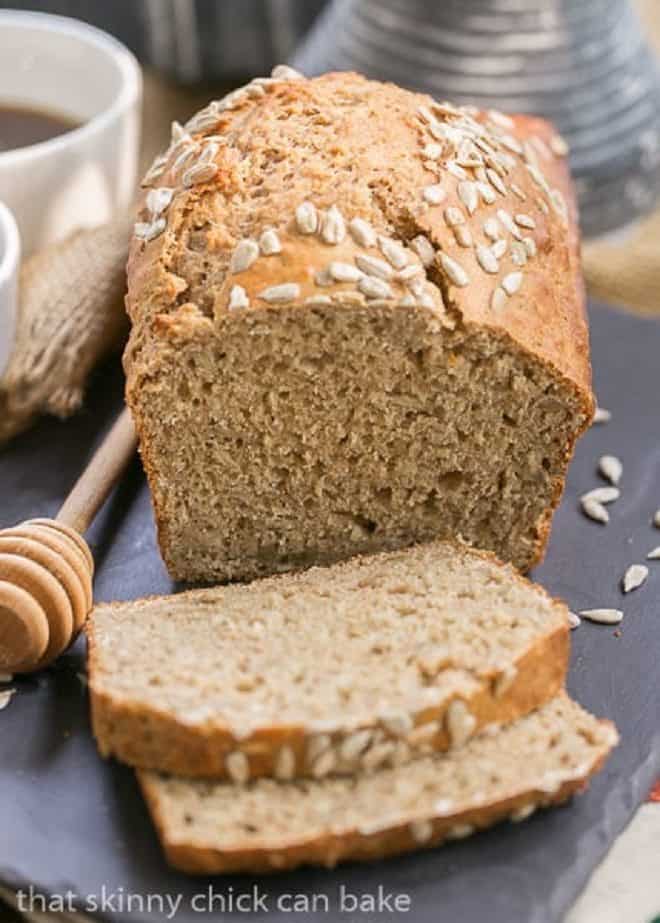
363,146
156,739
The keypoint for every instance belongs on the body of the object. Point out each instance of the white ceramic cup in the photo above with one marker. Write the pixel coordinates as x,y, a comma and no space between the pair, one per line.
85,176
10,255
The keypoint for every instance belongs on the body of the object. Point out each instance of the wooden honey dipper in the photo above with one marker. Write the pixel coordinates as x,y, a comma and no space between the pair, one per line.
46,566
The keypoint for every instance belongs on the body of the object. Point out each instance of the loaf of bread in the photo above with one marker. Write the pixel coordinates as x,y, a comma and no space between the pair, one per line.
331,671
542,759
357,324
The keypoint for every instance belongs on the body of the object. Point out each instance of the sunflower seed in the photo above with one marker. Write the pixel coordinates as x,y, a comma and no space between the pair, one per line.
317,301
150,230
333,227
6,697
323,278
317,745
432,151
284,72
511,144
324,764
254,90
518,253
486,193
373,287
285,764
522,813
595,510
496,181
177,132
499,248
459,832
426,114
602,415
487,259
237,766
656,519
463,236
412,271
460,722
424,249
454,270
373,266
517,191
530,154
602,494
456,170
393,252
559,146
159,199
269,243
543,206
398,725
525,221
238,298
558,203
421,830
498,299
511,283
611,468
434,194
491,228
201,173
183,159
344,272
507,221
453,216
156,169
362,233
245,254
377,755
500,119
651,556
530,246
279,294
574,621
634,577
538,177
603,616
353,746
209,153
469,195
307,219
203,121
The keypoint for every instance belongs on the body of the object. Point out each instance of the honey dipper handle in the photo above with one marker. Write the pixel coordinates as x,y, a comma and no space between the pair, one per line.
100,476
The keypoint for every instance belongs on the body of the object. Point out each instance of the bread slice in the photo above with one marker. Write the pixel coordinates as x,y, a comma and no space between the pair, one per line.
358,323
542,759
327,671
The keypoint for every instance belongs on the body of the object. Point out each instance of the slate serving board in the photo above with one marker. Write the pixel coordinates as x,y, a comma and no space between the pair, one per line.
68,821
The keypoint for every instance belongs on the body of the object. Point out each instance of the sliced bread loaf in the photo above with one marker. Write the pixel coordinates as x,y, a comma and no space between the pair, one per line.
541,759
329,671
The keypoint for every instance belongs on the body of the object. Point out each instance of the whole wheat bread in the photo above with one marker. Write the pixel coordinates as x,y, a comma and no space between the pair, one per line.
361,664
541,759
357,324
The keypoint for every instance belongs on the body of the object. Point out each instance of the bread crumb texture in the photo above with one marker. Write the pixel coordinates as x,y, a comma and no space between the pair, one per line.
357,323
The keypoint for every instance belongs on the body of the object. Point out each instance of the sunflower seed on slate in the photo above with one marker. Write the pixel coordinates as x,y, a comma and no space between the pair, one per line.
393,252
434,194
634,577
487,259
574,621
424,249
269,243
469,196
611,468
654,555
498,299
602,494
602,415
498,248
238,298
454,270
344,272
595,510
159,199
307,218
362,232
333,227
245,254
603,616
279,294
511,283
373,287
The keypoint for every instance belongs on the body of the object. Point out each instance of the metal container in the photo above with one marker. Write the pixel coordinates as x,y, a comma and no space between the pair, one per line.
582,63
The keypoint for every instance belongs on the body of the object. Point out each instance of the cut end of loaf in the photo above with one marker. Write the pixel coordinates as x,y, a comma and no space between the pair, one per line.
542,759
331,671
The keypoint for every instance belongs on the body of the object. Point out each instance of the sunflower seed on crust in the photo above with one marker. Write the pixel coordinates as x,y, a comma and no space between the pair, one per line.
159,199
344,272
500,119
307,218
454,271
595,510
362,233
517,191
507,221
602,494
200,173
603,616
498,299
245,254
530,246
434,194
512,282
634,577
373,266
237,766
463,236
333,227
460,722
149,230
518,254
393,252
424,249
469,195
602,415
525,221
611,468
487,259
453,216
280,294
397,725
498,248
284,72
238,298
496,181
492,228
487,193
